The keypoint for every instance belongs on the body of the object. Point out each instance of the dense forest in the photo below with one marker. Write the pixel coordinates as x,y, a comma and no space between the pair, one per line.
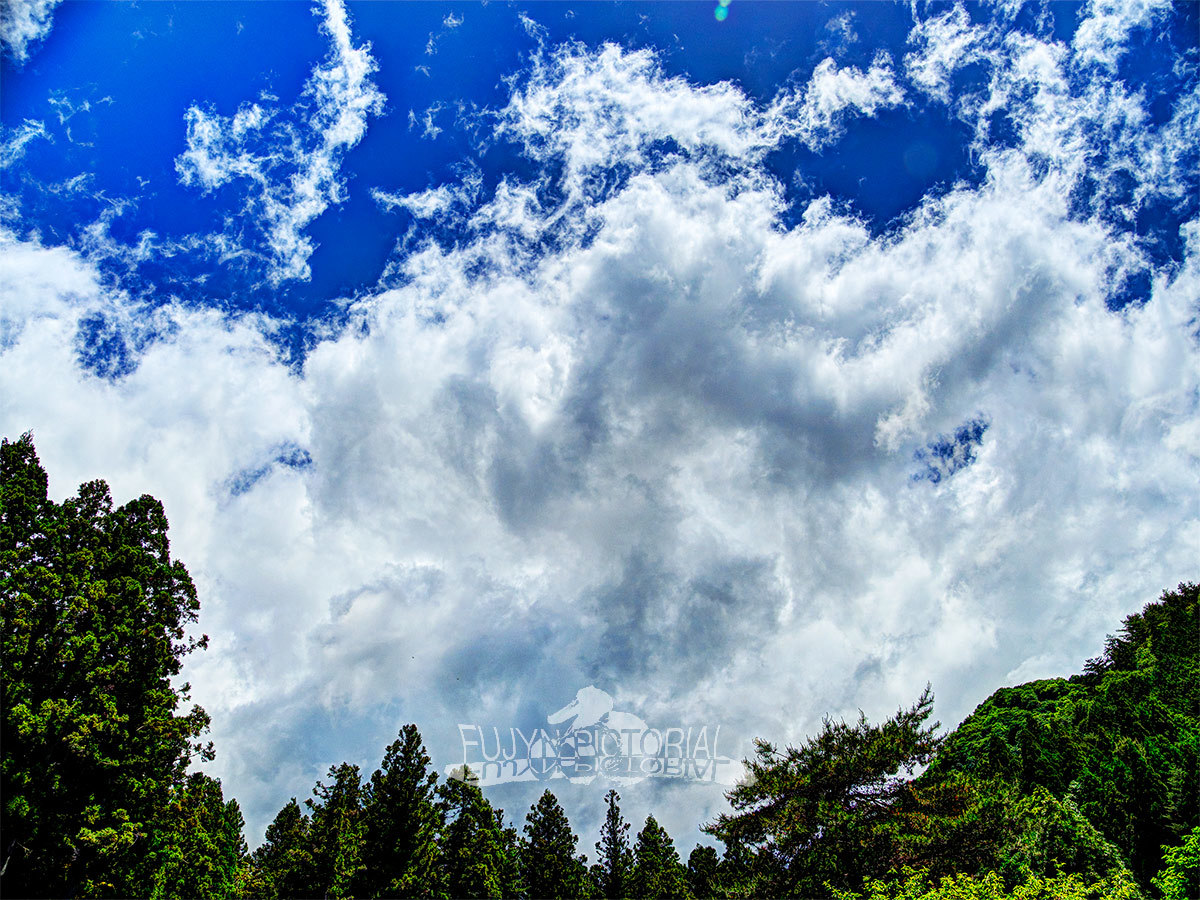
1084,787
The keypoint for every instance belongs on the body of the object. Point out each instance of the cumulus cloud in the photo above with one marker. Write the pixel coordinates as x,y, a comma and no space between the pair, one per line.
24,24
660,440
593,112
290,174
590,110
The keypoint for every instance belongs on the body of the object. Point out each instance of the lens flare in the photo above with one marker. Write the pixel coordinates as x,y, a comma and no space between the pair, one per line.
721,12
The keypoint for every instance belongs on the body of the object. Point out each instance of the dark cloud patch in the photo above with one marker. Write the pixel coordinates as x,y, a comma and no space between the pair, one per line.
525,474
677,629
503,656
627,608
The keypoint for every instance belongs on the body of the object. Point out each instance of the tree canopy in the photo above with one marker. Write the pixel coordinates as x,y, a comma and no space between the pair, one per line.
96,738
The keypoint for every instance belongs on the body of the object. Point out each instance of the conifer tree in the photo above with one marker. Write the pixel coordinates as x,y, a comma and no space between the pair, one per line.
657,871
614,863
702,872
473,853
337,831
93,613
512,882
283,866
402,823
197,846
549,866
814,816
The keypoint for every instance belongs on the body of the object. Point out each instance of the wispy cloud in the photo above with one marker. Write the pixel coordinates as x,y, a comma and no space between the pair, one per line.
815,115
15,140
289,172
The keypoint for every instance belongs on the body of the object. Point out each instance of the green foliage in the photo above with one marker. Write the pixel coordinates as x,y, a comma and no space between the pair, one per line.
402,824
703,869
919,886
283,866
657,871
1120,742
961,825
512,883
549,865
816,814
197,847
93,613
476,854
1180,876
337,831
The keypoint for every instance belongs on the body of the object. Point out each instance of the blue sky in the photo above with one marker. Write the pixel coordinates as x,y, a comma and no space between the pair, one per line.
750,370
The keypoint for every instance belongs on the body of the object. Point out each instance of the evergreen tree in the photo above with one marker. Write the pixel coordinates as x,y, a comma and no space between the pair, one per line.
475,861
702,872
812,816
284,866
93,613
549,866
197,846
402,823
657,871
614,864
337,831
512,882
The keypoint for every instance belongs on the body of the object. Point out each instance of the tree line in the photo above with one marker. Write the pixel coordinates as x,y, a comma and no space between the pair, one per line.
1084,787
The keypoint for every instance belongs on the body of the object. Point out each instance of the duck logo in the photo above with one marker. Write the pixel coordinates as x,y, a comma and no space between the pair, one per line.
589,739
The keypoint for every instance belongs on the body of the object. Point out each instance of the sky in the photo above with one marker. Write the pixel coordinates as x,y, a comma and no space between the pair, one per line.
748,370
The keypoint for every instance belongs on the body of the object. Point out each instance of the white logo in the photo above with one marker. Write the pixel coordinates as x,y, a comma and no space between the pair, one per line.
590,739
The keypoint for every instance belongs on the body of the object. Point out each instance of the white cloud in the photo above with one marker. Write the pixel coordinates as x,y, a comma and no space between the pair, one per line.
593,110
673,454
945,43
291,174
24,24
434,203
12,148
815,114
1107,24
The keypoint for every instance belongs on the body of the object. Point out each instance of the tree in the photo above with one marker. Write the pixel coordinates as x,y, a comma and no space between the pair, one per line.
614,864
1180,876
475,852
93,619
512,882
917,885
813,815
283,866
337,831
198,848
402,823
549,866
703,869
657,871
